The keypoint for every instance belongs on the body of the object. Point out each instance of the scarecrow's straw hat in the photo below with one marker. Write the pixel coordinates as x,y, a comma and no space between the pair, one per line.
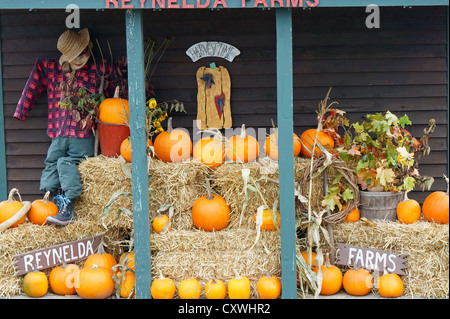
71,44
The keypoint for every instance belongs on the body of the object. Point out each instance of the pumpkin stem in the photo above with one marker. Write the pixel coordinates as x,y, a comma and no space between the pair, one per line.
236,275
116,92
46,196
208,189
169,125
405,198
327,260
268,275
243,132
446,179
11,195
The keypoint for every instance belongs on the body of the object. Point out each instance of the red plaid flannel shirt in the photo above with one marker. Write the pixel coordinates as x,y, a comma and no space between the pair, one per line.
48,74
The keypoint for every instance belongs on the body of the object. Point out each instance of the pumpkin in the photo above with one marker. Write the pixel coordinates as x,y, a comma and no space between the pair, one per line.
353,215
243,147
210,212
239,287
268,220
40,209
209,151
215,289
408,210
129,256
271,145
268,287
189,289
357,282
114,110
163,288
313,263
307,139
435,206
35,284
159,222
13,212
127,281
331,278
390,285
101,259
61,279
94,282
125,148
173,145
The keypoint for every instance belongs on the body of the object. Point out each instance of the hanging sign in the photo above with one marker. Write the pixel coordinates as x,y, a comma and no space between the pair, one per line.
54,256
212,49
371,259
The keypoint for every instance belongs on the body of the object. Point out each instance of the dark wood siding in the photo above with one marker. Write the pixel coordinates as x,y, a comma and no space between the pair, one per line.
400,67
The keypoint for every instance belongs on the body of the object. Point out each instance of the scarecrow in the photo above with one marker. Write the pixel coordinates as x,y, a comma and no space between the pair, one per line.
71,141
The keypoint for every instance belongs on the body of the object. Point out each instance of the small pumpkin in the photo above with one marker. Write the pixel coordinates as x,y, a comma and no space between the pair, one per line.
189,289
35,284
125,148
268,287
390,285
242,147
313,263
268,220
40,209
13,212
215,289
173,145
94,282
353,215
61,279
239,287
271,145
159,222
127,282
163,288
310,136
209,151
408,210
210,212
101,259
129,256
357,282
331,278
114,110
435,206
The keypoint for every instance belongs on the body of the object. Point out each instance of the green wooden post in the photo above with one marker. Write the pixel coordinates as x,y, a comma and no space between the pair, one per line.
286,151
136,87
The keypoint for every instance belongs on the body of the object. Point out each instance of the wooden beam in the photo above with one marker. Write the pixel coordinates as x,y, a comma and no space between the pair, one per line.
136,87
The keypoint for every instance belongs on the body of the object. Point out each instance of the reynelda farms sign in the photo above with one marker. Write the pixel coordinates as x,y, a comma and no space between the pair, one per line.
53,256
371,259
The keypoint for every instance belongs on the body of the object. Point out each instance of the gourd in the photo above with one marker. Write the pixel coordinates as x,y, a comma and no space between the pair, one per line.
94,282
242,147
189,289
13,212
390,285
271,145
61,279
173,145
101,259
408,210
159,222
268,220
114,110
125,148
318,136
331,278
239,287
210,212
35,284
209,151
435,206
40,209
163,288
357,282
215,289
268,287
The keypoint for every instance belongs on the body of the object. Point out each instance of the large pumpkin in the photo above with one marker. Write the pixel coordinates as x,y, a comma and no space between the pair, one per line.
94,282
163,288
215,289
101,259
357,282
320,137
268,287
331,278
189,289
114,110
271,146
210,212
13,212
173,145
35,284
390,285
243,147
239,287
435,206
61,279
40,209
209,151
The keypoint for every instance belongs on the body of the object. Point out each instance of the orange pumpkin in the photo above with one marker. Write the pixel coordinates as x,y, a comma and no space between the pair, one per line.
210,212
268,287
268,221
114,110
239,287
40,209
313,263
408,210
94,282
163,288
11,206
159,222
189,289
435,206
126,284
209,151
243,147
125,148
357,282
101,259
129,256
35,284
61,279
353,215
271,146
331,278
320,137
173,145
390,285
215,289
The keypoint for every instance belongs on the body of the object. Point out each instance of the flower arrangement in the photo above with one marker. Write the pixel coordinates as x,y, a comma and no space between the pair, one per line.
156,113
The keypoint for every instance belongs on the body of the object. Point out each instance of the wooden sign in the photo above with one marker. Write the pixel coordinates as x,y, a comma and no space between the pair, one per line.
212,49
371,259
54,256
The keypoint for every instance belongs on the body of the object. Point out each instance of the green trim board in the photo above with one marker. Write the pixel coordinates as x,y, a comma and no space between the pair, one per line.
3,171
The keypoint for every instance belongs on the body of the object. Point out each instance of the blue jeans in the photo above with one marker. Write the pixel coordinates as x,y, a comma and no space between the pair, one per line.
61,171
